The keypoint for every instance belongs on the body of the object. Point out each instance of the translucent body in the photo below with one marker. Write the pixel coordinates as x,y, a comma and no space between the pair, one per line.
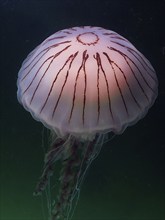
86,80
83,82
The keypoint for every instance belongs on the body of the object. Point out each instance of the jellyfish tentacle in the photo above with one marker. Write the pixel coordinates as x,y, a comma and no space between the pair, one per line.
87,151
70,164
77,158
91,152
51,157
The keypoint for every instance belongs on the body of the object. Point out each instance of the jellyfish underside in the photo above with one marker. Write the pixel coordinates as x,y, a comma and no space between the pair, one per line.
76,156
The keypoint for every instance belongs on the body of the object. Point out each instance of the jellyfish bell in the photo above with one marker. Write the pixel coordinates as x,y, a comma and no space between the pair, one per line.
83,83
86,80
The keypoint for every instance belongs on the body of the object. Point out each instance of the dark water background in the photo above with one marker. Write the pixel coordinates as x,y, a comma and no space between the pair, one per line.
127,180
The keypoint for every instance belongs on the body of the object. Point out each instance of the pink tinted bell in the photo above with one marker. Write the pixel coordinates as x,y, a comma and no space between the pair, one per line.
86,80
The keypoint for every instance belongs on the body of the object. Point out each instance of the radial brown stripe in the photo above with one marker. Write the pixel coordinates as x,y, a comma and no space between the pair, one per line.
109,34
144,66
46,50
53,38
120,44
42,66
54,83
85,87
75,86
120,90
32,66
98,57
98,88
67,32
123,54
36,74
72,57
54,57
143,91
138,53
125,78
119,38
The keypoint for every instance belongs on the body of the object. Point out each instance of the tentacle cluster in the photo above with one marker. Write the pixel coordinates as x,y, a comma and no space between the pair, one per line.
76,156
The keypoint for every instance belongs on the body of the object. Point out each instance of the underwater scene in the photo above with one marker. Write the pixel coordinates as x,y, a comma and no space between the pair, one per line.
82,110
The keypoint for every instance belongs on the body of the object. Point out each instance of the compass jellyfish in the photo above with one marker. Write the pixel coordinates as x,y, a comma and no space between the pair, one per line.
83,83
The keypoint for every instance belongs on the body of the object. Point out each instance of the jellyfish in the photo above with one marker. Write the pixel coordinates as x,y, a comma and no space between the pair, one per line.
83,83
